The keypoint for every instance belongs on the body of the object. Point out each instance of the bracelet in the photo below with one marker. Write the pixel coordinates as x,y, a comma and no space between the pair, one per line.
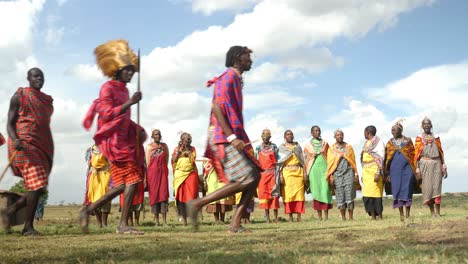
231,138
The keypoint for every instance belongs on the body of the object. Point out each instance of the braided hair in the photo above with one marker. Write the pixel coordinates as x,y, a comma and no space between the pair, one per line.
234,53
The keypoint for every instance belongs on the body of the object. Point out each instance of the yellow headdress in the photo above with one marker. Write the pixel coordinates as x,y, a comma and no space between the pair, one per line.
113,55
266,132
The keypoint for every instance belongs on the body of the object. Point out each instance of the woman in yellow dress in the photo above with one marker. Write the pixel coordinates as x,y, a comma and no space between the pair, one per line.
372,157
98,183
293,178
185,174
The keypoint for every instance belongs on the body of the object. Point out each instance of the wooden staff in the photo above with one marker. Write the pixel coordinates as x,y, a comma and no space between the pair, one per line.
9,164
138,109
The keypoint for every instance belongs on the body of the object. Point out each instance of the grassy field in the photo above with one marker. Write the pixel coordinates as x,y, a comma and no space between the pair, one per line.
421,239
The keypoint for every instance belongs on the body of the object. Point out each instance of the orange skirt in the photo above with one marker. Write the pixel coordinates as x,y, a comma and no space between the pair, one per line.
188,190
270,203
294,207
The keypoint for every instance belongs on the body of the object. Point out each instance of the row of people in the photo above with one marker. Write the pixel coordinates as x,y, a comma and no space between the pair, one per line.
320,169
31,147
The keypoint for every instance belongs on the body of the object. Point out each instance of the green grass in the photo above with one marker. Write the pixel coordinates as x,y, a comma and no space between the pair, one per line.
421,239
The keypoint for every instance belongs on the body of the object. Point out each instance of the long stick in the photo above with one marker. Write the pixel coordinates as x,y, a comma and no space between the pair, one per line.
9,164
138,109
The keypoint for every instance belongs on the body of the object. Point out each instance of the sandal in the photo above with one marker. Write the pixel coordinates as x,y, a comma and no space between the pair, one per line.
84,220
128,231
192,212
31,233
241,229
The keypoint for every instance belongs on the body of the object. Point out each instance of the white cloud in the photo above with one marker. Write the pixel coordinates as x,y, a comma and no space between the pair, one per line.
86,72
291,34
207,7
438,92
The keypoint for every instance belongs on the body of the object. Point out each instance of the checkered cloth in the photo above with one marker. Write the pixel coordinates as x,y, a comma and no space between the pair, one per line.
230,164
127,173
34,162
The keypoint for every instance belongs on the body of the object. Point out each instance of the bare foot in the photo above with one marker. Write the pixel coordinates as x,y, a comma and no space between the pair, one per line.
84,220
4,217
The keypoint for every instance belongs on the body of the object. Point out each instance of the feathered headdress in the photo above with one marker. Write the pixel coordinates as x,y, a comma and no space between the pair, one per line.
398,124
113,55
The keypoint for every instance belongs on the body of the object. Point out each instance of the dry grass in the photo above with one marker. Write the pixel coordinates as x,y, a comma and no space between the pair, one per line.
420,240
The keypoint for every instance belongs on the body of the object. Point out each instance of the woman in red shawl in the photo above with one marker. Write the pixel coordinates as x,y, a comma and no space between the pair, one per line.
157,173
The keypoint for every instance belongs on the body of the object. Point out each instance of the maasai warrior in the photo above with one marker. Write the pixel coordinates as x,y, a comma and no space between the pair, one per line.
97,183
372,157
233,159
185,174
157,176
291,172
342,174
116,134
268,188
212,183
30,138
400,170
430,166
137,205
315,153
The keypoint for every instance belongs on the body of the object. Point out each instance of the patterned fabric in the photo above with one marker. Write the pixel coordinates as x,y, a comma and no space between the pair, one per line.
268,191
345,187
371,154
213,183
127,173
233,165
376,149
334,156
116,133
34,161
228,95
35,177
399,156
291,167
157,173
420,142
431,172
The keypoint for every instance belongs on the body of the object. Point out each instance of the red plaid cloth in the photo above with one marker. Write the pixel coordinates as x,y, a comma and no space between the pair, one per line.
34,162
127,173
228,95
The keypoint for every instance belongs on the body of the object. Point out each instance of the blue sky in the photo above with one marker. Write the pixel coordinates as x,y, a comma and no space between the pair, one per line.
335,63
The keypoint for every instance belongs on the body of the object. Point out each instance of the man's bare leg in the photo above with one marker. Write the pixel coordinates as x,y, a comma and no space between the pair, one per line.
32,199
343,214
98,217
129,192
227,190
25,200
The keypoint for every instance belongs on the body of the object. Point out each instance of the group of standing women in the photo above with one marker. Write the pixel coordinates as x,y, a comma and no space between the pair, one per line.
400,167
324,170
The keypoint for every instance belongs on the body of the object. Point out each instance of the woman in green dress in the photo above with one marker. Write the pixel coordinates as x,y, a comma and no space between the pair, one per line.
315,153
